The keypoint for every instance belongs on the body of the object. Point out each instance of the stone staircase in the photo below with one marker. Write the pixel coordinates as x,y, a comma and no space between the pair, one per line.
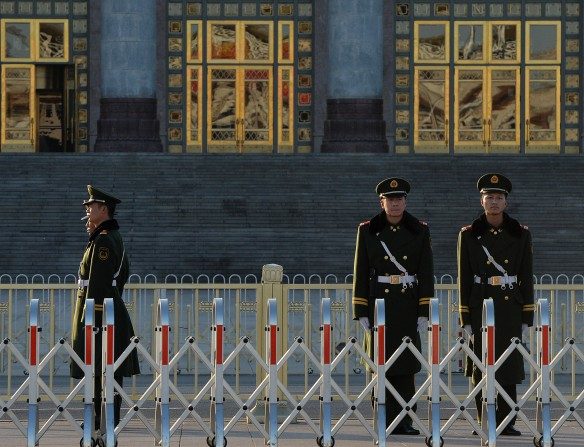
193,214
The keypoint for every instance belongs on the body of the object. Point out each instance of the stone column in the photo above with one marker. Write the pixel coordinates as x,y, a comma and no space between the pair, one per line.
354,121
128,120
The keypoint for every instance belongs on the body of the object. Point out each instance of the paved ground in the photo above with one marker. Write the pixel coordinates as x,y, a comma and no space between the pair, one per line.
297,434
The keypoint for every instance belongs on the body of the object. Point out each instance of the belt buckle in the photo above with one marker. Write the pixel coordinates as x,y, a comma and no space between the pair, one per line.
394,279
495,280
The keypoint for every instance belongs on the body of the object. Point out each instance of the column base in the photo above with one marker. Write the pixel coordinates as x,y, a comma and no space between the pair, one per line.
128,125
354,125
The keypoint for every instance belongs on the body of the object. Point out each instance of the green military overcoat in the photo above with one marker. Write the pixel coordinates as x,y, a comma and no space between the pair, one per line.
510,247
409,242
101,260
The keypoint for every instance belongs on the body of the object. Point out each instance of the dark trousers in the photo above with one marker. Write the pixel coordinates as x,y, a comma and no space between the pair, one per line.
97,389
503,408
405,386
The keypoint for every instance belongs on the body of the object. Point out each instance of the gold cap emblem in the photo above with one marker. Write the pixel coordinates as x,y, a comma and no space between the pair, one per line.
494,179
393,184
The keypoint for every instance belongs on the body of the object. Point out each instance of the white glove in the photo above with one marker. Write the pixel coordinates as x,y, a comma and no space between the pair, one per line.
524,330
365,323
422,324
468,329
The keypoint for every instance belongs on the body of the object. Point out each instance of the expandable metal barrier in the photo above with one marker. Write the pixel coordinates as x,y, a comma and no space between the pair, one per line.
218,428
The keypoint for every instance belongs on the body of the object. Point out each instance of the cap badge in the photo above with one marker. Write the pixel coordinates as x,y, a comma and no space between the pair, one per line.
393,184
494,179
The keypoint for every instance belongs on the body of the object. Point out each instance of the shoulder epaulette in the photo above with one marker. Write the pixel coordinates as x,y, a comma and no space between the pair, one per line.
103,232
468,227
525,227
423,223
364,223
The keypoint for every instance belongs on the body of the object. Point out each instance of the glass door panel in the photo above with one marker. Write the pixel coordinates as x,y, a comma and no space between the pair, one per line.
469,41
503,107
505,42
222,84
469,107
18,131
257,104
16,40
543,107
431,108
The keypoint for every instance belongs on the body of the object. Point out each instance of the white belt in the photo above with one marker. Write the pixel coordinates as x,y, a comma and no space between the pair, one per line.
497,280
398,279
85,283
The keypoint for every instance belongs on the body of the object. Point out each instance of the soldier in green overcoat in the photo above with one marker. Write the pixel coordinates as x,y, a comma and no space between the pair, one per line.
495,261
103,272
393,261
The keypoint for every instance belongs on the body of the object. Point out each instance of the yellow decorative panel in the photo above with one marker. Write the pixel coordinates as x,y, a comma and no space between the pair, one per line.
286,106
194,51
194,105
286,42
542,108
18,109
431,108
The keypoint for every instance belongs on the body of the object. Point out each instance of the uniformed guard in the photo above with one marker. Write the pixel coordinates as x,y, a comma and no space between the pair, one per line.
495,261
393,261
103,272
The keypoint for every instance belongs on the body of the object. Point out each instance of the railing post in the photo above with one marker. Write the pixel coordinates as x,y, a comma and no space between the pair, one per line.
325,388
108,360
488,338
217,413
434,360
33,373
379,358
89,374
272,361
543,413
162,415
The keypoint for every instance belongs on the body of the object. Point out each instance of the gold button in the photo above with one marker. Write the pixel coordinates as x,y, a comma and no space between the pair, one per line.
386,290
393,229
506,298
403,290
489,262
386,257
506,261
387,274
405,257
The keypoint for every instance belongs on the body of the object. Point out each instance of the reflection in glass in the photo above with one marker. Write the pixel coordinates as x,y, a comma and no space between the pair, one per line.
542,105
504,42
257,42
17,106
51,40
257,110
17,43
285,42
543,45
223,105
194,36
223,42
470,105
431,42
431,105
194,105
503,105
470,42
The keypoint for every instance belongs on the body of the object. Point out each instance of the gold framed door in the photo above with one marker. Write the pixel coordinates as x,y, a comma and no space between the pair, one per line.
486,109
431,109
240,109
18,108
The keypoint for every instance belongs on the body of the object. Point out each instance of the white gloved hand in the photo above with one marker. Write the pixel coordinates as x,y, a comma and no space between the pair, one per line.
365,323
468,329
422,324
524,330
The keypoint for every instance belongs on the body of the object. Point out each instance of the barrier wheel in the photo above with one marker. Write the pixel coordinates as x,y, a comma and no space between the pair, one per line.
93,442
211,441
320,441
429,441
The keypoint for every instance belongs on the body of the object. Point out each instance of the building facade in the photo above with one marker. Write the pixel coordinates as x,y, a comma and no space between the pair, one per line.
292,76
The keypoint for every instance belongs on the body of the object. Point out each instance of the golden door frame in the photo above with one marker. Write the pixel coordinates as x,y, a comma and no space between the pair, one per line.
487,145
28,145
239,143
534,146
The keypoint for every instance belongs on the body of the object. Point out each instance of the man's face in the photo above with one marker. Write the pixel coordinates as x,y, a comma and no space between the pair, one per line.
97,213
493,203
394,206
